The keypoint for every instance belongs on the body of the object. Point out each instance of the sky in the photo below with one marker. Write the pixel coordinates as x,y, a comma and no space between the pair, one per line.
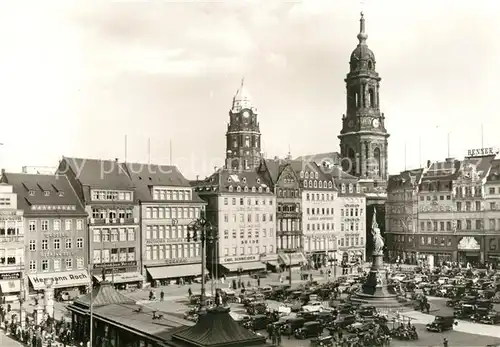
77,77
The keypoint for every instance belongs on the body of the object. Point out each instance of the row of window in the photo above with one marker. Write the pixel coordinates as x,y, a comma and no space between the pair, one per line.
320,226
319,197
154,232
493,224
350,226
320,211
113,255
435,197
312,244
246,189
57,264
288,193
169,194
113,235
318,184
162,252
10,231
56,244
493,190
4,201
172,212
288,207
469,192
102,213
248,250
351,212
111,195
56,225
249,233
264,217
255,201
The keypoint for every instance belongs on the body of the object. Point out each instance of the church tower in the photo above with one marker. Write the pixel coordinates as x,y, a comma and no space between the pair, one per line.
363,138
243,148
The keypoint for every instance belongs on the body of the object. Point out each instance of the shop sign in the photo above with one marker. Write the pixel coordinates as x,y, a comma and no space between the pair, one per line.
56,234
155,242
60,280
129,263
239,259
10,219
10,276
478,152
178,240
468,243
177,261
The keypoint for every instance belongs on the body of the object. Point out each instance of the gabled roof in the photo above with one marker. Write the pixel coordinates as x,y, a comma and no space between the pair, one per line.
494,174
406,179
332,158
103,295
480,165
145,176
217,328
442,170
45,191
100,174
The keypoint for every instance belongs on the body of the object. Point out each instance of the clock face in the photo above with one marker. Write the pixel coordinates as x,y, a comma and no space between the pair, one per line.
246,114
375,123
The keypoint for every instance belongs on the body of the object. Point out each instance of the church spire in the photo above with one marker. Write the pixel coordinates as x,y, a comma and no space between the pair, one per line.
362,36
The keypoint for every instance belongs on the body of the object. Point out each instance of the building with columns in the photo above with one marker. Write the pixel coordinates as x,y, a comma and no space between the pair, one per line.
12,267
282,175
243,137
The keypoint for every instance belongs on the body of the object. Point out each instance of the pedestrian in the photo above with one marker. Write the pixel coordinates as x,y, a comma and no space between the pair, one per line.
278,337
162,295
445,342
190,292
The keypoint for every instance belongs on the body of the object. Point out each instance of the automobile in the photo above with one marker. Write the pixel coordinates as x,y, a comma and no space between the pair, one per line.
399,277
314,306
343,321
443,280
489,317
322,341
255,308
292,324
441,323
310,329
367,311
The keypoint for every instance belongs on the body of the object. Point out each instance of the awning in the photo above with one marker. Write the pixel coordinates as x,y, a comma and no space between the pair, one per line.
272,263
251,265
174,271
122,277
10,286
60,279
292,258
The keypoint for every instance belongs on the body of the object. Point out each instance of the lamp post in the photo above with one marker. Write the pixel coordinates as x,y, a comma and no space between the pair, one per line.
49,297
201,230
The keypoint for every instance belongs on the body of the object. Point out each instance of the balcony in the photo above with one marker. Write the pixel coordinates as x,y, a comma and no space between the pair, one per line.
113,221
12,239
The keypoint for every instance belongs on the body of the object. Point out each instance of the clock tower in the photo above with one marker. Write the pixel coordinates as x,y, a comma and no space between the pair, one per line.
243,148
363,138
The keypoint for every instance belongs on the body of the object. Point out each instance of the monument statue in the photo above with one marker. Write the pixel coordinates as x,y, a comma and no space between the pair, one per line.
378,240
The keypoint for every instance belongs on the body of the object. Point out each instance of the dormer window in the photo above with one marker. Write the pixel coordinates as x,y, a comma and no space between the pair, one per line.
330,184
230,188
46,193
260,189
350,188
238,189
32,193
258,180
267,190
229,179
343,187
244,180
320,184
358,189
253,190
246,189
324,184
316,175
302,174
310,184
61,194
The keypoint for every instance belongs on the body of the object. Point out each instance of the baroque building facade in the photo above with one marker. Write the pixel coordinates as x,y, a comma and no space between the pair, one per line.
456,215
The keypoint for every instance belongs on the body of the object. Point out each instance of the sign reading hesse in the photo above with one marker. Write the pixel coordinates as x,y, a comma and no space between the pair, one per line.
481,151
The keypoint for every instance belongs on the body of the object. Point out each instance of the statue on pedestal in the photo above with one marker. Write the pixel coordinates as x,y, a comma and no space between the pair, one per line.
378,240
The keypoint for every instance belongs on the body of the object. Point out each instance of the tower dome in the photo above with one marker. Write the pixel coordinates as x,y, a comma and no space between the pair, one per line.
362,57
242,99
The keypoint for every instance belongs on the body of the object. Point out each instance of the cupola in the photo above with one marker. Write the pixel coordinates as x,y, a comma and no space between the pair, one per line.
242,99
362,57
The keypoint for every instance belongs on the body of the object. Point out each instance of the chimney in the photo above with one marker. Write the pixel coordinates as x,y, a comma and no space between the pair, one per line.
450,160
428,163
116,159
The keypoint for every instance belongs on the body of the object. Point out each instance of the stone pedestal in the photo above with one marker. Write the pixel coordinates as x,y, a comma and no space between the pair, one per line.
375,291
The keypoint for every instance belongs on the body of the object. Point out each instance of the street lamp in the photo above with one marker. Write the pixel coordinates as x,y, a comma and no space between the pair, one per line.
49,297
202,230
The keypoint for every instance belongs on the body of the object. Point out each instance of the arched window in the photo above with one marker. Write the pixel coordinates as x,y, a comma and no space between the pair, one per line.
377,163
370,65
238,189
305,184
330,184
302,174
307,174
356,99
230,188
372,97
310,184
320,184
253,189
246,189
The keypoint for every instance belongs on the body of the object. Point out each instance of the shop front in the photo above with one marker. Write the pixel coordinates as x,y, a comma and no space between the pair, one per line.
469,250
295,259
492,255
180,270
240,265
271,261
10,286
123,274
69,281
